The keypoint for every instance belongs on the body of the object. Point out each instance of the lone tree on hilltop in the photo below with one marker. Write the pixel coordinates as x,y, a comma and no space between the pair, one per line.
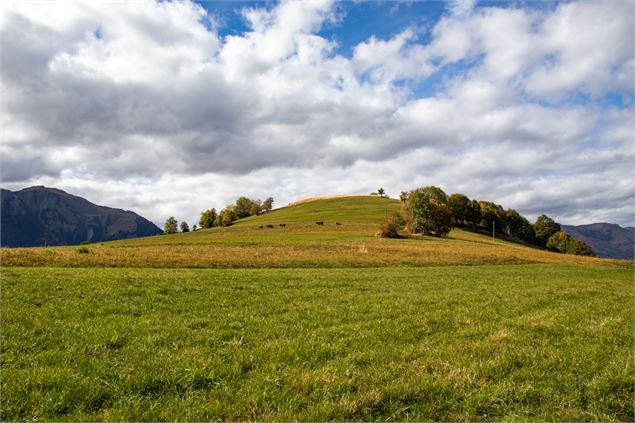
381,192
185,227
171,225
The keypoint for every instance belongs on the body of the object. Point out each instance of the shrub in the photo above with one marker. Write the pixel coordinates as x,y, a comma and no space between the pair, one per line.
83,250
84,243
390,228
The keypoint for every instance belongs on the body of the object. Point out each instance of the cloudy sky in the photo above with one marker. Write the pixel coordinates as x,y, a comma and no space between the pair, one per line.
170,108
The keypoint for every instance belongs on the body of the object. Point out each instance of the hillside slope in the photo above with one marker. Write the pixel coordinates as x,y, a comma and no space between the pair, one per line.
261,241
47,216
606,239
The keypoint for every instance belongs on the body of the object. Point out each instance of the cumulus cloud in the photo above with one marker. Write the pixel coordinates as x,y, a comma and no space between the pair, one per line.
144,105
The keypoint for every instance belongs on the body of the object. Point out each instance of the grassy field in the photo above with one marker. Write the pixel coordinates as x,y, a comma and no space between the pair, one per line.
308,322
537,342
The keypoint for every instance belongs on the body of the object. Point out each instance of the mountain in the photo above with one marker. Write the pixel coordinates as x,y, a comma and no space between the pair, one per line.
38,216
607,239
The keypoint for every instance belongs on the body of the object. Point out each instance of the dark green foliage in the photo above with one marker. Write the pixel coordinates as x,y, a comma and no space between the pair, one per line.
544,228
427,212
171,225
492,214
246,207
208,218
460,206
185,227
566,244
474,214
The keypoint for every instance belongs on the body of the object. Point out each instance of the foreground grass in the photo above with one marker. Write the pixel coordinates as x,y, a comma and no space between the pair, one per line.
524,342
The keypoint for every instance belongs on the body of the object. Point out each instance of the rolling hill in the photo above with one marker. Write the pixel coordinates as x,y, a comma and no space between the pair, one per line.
39,216
300,243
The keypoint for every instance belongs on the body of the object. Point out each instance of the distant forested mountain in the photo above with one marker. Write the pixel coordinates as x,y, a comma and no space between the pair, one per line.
607,239
47,216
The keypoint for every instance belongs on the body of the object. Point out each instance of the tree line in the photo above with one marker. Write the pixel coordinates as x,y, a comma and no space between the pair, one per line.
430,211
243,207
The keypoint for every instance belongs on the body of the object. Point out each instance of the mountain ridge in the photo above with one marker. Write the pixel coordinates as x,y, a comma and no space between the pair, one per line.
608,240
38,216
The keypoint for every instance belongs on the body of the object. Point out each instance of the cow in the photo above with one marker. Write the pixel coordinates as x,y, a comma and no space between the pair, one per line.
338,223
319,223
260,227
282,225
270,226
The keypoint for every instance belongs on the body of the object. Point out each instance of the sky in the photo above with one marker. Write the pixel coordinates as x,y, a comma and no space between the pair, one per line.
170,108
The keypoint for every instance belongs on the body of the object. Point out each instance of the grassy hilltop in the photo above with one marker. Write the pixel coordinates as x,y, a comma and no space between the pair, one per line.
203,326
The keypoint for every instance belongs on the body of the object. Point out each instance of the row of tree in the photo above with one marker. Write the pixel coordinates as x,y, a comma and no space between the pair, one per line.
430,211
243,207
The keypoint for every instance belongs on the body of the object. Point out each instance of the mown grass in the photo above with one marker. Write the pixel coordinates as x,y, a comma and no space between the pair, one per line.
523,342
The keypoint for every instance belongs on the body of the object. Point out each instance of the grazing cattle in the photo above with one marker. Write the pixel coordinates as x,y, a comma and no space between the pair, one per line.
338,223
282,225
260,227
319,223
270,226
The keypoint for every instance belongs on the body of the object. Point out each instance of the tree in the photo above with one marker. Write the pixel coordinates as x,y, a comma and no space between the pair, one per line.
185,227
460,206
267,205
544,228
208,218
381,192
243,207
492,214
194,227
474,214
226,216
581,248
171,225
427,212
403,196
564,243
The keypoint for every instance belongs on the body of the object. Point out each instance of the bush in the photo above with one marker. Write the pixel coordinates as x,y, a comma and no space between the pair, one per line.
84,243
390,228
564,243
83,250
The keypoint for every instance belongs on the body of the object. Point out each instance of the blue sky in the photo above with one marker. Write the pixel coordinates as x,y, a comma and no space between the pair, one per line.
145,105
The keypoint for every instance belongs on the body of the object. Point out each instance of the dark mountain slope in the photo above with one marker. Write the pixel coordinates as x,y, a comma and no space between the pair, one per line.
48,216
606,239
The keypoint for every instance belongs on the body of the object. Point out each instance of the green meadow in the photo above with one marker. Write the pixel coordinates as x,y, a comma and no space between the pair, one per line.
309,322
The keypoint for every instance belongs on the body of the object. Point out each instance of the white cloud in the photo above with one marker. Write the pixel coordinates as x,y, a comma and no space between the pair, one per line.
142,105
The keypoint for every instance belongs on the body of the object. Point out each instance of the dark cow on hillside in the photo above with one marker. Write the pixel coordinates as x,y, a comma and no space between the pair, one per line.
338,223
282,225
319,223
270,226
260,227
